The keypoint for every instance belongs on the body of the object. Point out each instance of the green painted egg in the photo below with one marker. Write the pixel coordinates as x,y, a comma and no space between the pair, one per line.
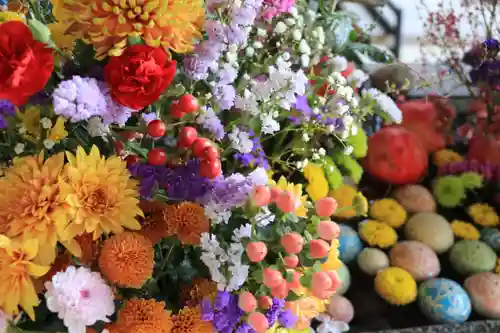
471,257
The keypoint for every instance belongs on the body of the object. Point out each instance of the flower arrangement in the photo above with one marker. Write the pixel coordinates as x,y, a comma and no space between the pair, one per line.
450,191
378,234
167,166
389,211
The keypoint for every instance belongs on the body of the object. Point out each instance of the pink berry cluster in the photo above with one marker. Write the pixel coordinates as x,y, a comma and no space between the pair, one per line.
287,275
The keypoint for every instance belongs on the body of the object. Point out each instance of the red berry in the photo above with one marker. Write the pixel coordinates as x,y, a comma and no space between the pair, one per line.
199,146
156,128
187,136
210,169
188,103
175,110
132,159
157,156
211,153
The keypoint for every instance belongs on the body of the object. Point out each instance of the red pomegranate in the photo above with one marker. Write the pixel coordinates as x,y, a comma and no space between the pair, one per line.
396,155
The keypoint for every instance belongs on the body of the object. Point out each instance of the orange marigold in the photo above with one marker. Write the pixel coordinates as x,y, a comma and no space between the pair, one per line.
127,259
106,24
186,221
188,320
200,288
153,225
140,315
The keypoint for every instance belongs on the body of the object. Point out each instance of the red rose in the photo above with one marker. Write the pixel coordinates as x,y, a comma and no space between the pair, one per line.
25,64
139,76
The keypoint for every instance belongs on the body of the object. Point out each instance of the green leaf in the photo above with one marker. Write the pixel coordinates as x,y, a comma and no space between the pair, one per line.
317,266
257,276
332,173
40,31
371,51
306,281
289,276
359,142
353,168
293,297
134,39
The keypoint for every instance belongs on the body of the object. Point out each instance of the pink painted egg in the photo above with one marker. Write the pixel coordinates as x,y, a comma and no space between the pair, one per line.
340,308
416,258
484,291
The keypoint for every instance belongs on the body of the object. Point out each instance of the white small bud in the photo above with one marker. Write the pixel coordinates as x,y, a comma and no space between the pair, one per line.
280,28
314,33
48,144
249,51
315,156
22,130
348,150
233,48
285,56
304,47
322,151
19,148
296,34
257,45
306,137
304,60
46,123
261,32
231,57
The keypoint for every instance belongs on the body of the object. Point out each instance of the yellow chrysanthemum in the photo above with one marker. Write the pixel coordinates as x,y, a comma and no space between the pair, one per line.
296,191
388,211
17,271
377,234
445,156
351,203
31,206
318,185
65,42
465,230
396,286
10,16
483,214
106,24
58,131
100,195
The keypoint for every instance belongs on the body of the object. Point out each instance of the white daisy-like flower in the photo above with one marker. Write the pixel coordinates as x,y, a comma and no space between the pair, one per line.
80,297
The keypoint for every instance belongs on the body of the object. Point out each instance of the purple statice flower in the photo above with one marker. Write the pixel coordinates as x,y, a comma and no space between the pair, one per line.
79,99
287,319
224,95
488,72
184,183
7,109
195,67
256,158
225,314
275,310
303,110
209,121
230,192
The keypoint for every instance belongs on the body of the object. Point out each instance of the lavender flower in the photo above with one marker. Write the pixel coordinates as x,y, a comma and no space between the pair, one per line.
149,176
209,121
230,192
7,109
78,98
225,314
287,319
256,158
224,94
273,313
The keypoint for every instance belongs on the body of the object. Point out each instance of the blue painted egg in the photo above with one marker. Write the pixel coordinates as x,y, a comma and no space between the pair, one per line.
350,244
491,236
444,301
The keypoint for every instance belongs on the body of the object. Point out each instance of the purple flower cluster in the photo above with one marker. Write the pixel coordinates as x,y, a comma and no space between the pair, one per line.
208,52
256,158
182,183
226,316
489,171
488,72
7,109
304,113
81,98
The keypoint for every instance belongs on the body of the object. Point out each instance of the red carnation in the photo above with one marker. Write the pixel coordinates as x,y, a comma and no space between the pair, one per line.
25,64
139,76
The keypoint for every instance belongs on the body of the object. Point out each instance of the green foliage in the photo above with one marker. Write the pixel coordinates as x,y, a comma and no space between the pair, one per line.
332,172
359,142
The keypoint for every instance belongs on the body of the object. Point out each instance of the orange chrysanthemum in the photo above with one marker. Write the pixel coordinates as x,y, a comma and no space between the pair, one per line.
127,259
90,248
144,316
188,320
106,24
200,288
186,221
153,225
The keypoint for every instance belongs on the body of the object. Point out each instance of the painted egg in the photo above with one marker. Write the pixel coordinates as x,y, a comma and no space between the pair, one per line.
484,291
340,308
415,198
471,257
345,277
431,229
350,244
444,301
372,260
416,258
491,236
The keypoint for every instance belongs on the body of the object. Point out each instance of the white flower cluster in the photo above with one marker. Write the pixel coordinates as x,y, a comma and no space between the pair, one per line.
218,260
264,97
385,103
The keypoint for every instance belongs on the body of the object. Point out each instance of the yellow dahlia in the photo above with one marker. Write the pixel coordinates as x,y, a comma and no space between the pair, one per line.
99,193
106,24
17,271
31,206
